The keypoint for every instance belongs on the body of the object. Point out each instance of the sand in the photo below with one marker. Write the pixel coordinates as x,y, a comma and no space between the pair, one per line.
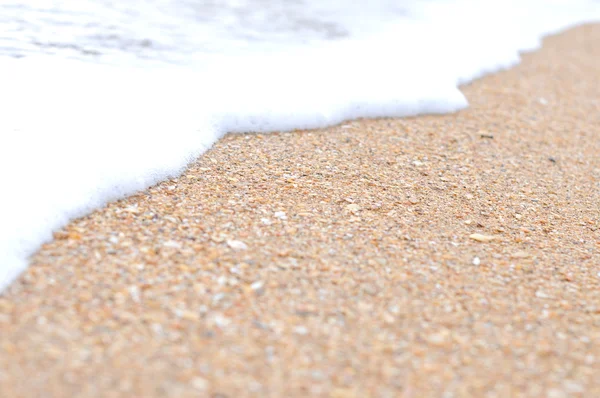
454,255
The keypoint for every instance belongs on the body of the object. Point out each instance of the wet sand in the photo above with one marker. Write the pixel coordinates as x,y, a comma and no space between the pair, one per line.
454,255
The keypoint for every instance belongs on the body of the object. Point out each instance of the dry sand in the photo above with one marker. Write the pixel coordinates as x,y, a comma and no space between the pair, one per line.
369,283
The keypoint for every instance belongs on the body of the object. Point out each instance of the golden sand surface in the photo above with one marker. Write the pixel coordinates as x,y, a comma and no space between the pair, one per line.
454,255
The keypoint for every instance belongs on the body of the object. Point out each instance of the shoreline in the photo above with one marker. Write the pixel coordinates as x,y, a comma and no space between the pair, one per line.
378,257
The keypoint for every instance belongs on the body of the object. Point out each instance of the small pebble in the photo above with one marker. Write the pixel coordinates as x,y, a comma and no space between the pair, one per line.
353,208
237,245
301,330
482,238
281,215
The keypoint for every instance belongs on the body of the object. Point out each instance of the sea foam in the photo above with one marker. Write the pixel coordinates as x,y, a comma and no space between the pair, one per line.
101,99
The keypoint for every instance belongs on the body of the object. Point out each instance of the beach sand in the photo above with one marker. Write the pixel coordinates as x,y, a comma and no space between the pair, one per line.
454,255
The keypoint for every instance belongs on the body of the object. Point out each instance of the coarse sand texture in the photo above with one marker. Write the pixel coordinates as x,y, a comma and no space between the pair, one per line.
453,255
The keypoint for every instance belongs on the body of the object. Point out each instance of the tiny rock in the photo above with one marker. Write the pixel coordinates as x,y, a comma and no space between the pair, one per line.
370,289
389,318
281,215
440,338
221,321
542,295
520,254
482,238
217,238
186,314
353,208
173,244
134,292
132,209
301,330
237,245
199,383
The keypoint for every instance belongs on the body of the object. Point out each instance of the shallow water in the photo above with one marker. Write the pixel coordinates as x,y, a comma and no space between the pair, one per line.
178,31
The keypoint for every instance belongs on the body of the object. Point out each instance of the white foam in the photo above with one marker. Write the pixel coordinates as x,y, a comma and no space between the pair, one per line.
85,121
